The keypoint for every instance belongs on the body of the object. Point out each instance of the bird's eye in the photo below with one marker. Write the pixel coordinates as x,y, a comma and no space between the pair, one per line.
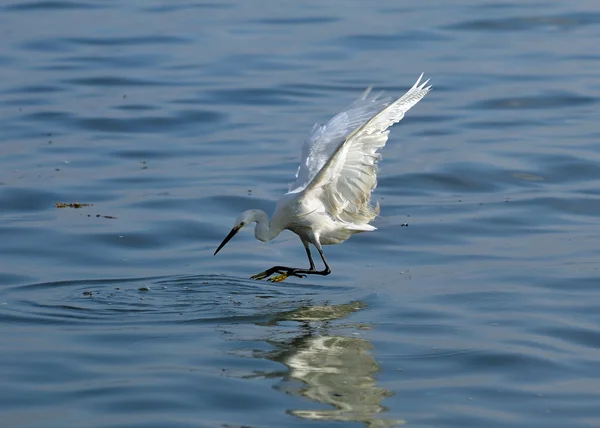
242,224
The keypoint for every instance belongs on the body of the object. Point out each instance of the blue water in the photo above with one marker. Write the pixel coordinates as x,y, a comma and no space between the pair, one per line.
171,118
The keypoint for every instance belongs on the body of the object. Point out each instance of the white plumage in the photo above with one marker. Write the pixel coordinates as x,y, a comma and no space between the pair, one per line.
329,201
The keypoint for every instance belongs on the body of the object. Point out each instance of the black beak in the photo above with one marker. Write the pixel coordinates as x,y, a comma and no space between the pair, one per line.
235,230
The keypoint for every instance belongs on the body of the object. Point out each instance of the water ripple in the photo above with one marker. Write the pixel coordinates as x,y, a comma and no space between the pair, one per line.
563,22
537,102
32,6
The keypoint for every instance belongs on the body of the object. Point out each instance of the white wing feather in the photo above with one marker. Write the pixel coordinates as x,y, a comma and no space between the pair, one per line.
324,139
345,181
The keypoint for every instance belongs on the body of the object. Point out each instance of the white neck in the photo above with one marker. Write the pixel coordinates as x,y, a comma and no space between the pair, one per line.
263,231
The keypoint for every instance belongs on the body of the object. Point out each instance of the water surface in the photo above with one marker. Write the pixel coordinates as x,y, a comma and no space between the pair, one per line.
474,304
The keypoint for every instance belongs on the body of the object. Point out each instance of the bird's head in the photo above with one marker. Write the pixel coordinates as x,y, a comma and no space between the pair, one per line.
244,219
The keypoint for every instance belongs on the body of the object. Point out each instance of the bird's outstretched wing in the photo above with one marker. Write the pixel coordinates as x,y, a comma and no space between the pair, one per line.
325,139
345,181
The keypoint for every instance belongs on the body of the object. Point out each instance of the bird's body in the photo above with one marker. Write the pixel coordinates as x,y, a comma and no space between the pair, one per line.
329,201
308,217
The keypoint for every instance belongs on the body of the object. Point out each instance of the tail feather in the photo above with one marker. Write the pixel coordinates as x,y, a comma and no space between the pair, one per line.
360,227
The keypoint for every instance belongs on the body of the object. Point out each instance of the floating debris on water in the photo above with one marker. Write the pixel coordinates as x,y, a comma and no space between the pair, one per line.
71,205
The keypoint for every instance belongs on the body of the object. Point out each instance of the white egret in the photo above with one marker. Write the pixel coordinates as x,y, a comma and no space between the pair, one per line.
329,201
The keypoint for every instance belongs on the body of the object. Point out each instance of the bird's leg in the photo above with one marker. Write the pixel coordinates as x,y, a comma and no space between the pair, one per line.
326,271
296,271
313,270
310,259
285,272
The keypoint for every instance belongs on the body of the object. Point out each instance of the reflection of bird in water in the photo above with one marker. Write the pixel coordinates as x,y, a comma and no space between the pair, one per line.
329,202
339,371
334,369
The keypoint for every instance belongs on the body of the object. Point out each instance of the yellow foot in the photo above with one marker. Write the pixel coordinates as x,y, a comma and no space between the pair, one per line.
284,273
279,278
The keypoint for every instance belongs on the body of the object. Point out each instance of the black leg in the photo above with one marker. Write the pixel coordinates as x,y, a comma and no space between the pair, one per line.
327,269
310,259
286,271
283,270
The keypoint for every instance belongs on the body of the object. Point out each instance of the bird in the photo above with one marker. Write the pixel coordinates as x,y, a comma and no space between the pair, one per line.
330,199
